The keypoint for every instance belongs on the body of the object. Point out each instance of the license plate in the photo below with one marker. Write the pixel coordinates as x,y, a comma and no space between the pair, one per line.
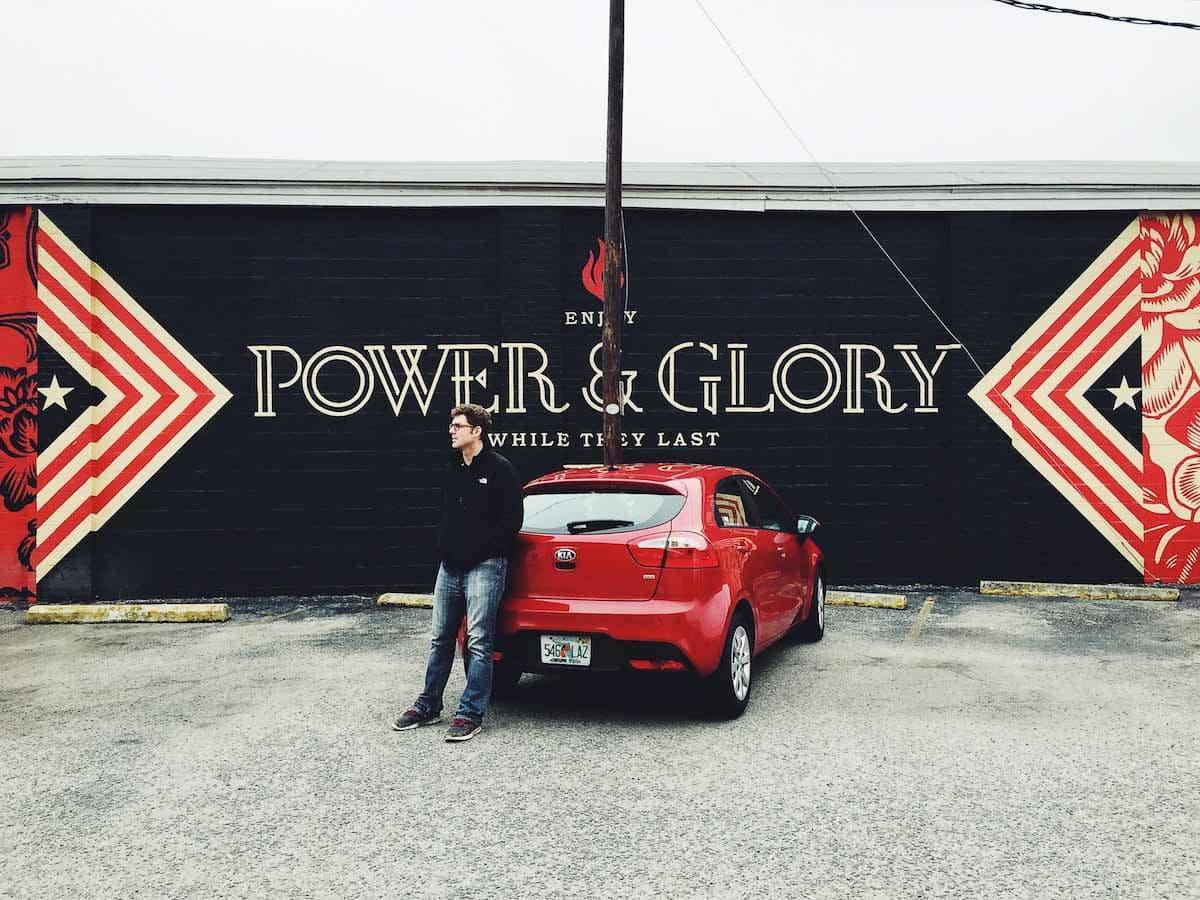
566,650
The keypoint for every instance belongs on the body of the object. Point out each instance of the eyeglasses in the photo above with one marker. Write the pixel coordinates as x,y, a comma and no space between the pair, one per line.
454,426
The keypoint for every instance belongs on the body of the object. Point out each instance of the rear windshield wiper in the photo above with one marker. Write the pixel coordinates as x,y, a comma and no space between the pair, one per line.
582,525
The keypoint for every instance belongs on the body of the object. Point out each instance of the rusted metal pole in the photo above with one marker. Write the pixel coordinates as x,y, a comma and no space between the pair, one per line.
614,305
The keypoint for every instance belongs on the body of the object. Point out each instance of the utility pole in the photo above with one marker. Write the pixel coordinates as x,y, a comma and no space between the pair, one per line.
614,305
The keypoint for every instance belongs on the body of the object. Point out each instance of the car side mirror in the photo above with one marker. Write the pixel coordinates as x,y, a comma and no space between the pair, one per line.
806,525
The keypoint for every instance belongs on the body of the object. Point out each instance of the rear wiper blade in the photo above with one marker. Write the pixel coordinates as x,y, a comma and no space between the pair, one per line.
582,525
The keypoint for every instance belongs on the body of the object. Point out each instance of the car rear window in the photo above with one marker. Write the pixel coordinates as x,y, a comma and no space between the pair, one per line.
597,512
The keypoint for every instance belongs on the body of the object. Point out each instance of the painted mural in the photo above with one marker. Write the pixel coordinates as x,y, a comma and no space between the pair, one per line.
1143,290
18,405
1170,320
155,396
261,457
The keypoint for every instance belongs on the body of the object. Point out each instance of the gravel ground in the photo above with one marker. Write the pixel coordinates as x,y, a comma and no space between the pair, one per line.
1013,747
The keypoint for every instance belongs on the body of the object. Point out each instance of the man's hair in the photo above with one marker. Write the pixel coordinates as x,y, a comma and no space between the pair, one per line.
476,415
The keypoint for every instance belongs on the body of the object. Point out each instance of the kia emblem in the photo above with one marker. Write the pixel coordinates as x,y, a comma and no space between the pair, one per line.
564,555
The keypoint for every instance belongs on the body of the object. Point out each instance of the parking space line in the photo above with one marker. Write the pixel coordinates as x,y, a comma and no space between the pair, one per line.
926,609
282,615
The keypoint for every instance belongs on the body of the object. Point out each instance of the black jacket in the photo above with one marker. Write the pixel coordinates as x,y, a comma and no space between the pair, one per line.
481,509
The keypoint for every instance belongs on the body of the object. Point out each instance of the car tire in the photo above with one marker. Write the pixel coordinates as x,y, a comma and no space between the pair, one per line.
728,688
505,679
812,628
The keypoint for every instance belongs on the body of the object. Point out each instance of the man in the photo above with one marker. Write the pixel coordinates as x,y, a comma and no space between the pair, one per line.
481,515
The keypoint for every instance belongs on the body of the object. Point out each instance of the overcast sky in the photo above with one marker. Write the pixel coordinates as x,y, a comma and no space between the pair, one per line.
861,81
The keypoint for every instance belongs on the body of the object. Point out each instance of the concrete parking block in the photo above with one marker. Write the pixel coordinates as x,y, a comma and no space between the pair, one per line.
861,598
99,613
1080,591
419,601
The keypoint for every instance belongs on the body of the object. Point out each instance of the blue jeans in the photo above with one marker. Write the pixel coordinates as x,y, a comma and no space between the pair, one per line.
475,593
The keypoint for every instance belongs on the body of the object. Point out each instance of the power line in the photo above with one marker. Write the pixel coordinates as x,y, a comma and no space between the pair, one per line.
1048,456
1125,20
836,189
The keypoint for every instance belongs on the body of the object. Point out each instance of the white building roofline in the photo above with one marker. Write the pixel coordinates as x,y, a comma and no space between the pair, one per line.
964,186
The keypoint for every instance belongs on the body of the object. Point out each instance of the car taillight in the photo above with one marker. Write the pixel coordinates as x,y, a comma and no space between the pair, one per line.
661,665
677,550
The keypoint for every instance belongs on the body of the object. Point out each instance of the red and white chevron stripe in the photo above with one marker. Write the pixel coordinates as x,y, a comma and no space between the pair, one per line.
156,396
1036,395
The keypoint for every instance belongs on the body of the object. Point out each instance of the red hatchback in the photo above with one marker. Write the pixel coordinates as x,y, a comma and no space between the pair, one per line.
658,568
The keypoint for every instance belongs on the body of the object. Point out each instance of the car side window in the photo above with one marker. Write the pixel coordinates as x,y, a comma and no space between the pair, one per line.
730,508
770,513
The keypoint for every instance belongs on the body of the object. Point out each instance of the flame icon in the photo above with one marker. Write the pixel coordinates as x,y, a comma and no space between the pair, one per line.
593,273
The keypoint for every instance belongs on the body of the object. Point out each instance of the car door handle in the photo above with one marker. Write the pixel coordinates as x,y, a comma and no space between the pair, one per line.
742,545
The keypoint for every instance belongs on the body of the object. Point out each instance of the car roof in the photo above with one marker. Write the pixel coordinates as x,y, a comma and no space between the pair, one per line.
646,473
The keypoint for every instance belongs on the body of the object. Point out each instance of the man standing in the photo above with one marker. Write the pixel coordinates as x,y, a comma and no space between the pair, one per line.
481,515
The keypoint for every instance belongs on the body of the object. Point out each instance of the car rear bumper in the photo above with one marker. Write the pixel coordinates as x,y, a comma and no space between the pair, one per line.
689,631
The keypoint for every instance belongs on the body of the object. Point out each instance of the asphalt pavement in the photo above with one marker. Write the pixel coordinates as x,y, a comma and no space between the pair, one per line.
989,747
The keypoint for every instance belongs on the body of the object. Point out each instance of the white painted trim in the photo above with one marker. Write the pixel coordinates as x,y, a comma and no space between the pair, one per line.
903,187
1130,200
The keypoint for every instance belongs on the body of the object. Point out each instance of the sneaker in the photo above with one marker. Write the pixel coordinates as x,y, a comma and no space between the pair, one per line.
462,729
414,718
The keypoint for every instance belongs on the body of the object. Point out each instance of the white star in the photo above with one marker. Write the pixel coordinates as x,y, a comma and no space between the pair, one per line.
55,395
1124,394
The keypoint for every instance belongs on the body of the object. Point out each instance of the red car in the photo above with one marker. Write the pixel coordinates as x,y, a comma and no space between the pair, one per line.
658,568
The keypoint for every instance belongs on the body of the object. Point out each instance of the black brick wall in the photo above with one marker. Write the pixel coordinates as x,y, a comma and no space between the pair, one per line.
309,504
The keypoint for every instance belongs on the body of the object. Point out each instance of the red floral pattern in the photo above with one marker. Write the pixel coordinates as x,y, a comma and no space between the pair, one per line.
18,438
1171,396
1172,544
1170,311
28,545
18,407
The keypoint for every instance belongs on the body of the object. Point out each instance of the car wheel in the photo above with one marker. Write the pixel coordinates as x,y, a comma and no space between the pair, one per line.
728,688
813,627
504,679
